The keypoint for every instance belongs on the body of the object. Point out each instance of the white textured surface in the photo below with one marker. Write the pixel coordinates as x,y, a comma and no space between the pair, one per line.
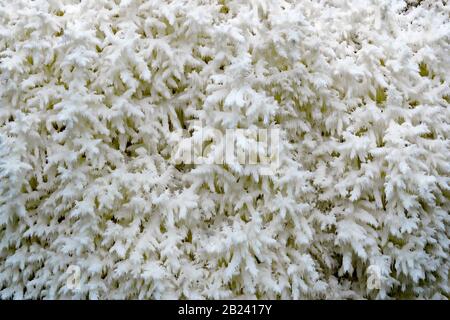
92,91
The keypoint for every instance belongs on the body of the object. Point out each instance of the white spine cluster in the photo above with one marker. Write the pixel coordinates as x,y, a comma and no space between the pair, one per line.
94,93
